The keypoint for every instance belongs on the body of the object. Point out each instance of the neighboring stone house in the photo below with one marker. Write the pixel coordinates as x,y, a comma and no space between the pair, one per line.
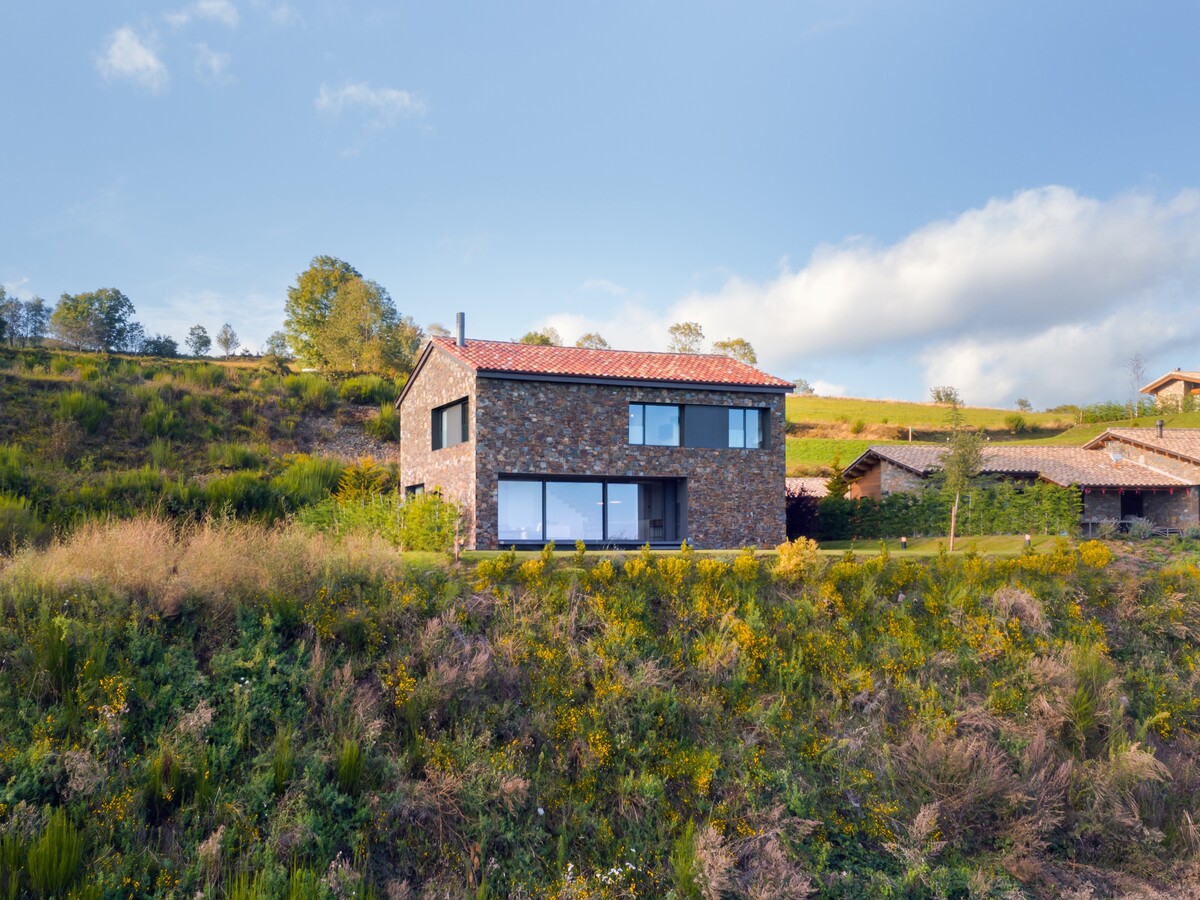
614,448
1147,472
1170,390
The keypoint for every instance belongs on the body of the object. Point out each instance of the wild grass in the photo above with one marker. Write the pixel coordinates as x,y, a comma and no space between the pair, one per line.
281,700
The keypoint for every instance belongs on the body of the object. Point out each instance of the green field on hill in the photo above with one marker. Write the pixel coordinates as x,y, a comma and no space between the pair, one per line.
919,416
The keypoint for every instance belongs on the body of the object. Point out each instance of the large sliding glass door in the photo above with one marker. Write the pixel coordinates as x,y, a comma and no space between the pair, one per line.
601,511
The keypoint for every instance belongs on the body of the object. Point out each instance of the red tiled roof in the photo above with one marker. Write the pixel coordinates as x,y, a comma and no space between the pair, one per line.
1177,375
619,365
1061,465
1181,442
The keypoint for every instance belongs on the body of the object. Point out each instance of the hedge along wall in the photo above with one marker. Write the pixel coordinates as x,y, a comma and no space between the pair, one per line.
997,508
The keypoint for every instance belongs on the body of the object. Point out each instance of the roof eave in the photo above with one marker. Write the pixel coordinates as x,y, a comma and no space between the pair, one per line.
676,384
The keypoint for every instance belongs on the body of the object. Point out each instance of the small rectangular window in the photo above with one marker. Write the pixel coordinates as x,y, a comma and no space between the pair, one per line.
654,424
450,424
414,490
746,427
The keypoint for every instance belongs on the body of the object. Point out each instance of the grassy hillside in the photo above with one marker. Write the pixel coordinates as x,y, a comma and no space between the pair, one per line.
918,416
237,711
825,430
84,434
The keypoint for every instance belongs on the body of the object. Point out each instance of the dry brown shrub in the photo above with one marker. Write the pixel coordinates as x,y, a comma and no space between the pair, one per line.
969,777
1044,782
84,774
714,862
768,873
1010,602
134,557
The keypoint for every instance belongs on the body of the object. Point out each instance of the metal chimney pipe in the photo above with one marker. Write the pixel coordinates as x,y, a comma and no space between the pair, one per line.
1159,425
460,329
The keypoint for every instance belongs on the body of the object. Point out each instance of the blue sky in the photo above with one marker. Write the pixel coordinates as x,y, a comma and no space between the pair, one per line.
880,196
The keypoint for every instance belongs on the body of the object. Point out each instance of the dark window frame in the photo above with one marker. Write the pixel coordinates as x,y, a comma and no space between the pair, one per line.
679,518
439,440
762,413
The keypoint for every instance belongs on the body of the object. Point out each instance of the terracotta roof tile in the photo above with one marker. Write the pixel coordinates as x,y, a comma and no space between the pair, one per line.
1184,442
814,487
618,365
1062,465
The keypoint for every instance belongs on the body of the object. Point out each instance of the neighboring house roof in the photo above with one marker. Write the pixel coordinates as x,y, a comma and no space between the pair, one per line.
814,487
1177,375
548,363
1061,465
1183,443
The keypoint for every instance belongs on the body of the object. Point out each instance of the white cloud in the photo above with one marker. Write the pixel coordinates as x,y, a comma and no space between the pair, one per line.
222,12
128,56
1043,294
827,389
211,65
381,106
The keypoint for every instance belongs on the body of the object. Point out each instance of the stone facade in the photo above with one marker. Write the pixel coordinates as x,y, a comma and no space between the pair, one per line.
883,478
1178,508
734,497
450,470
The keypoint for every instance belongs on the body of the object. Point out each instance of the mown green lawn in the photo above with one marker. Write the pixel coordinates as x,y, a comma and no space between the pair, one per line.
915,415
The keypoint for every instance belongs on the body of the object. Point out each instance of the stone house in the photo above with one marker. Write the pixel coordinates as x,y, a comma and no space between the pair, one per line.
611,447
1170,390
1152,473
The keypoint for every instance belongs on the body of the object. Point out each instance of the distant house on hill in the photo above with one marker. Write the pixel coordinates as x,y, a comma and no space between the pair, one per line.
1170,390
610,447
1148,472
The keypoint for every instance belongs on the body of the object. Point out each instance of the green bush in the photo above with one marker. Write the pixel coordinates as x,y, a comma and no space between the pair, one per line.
54,858
241,494
386,425
86,410
19,524
349,766
61,365
162,420
996,508
203,375
1015,423
368,390
308,480
313,391
236,456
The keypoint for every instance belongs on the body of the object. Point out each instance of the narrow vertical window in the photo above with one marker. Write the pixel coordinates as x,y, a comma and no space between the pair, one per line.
637,423
449,424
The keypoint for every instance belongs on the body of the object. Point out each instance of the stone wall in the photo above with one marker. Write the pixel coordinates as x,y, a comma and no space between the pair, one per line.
1144,456
734,497
1180,509
451,470
896,480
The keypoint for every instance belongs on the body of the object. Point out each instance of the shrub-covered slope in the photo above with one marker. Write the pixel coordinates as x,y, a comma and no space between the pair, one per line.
241,711
86,434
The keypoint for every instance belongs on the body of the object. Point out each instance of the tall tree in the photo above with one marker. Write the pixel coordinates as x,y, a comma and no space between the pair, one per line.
309,301
277,346
96,320
961,462
37,321
198,341
159,345
227,339
363,330
686,337
547,337
738,348
12,314
593,341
